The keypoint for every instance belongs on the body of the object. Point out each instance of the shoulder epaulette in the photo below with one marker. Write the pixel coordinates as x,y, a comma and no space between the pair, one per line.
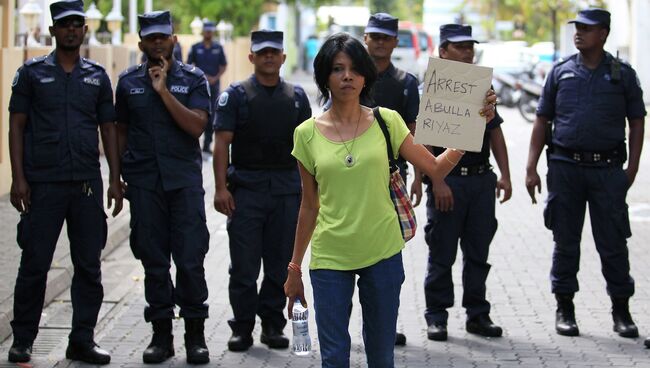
94,63
130,70
192,69
35,60
564,60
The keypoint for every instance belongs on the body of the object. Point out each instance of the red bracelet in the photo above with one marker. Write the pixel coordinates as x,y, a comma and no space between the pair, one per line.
295,267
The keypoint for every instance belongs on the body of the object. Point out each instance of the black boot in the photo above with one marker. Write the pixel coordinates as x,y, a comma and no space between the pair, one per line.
623,323
400,339
161,347
647,342
565,316
87,352
240,341
20,352
195,347
273,337
437,331
483,325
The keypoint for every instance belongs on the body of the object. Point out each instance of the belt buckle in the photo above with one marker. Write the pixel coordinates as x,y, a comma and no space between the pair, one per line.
463,171
577,157
596,157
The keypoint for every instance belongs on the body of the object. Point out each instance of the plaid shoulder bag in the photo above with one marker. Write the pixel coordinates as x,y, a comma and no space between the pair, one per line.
398,192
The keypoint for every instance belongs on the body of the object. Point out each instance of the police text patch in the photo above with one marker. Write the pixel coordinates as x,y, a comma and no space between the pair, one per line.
567,75
136,91
223,99
47,80
93,81
180,89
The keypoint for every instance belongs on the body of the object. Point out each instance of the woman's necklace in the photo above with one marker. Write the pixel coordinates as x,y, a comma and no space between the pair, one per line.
349,159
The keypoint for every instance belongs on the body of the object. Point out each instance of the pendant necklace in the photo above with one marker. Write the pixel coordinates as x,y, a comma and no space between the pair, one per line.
349,159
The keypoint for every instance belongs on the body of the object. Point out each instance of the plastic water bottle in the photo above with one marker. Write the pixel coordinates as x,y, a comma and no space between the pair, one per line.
300,322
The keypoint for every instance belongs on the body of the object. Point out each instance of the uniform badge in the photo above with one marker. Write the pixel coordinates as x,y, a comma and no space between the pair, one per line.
199,51
47,80
180,89
16,77
223,99
215,51
93,81
136,91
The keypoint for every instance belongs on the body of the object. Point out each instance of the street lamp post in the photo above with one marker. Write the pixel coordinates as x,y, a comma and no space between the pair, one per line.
93,19
196,26
30,12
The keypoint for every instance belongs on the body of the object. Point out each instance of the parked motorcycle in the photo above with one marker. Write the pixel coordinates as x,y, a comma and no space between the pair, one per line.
529,90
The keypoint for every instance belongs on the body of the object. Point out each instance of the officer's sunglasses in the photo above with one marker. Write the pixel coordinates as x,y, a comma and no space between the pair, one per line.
67,22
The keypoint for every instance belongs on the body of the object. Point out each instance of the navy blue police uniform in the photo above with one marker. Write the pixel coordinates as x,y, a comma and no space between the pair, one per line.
208,59
61,165
395,89
472,221
162,166
265,183
588,109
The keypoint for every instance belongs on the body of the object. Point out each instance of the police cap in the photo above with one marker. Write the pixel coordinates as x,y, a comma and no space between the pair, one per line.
66,8
266,38
209,26
455,33
382,23
593,17
155,22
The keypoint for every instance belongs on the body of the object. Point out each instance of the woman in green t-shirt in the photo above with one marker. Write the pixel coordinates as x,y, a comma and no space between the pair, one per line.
346,210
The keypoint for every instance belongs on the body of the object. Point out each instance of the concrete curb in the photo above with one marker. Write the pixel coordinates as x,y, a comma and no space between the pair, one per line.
60,276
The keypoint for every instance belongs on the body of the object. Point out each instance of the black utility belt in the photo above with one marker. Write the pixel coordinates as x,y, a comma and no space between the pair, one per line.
615,156
471,170
266,167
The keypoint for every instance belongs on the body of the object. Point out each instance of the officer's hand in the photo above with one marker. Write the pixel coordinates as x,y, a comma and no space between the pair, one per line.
533,181
294,288
444,198
631,175
223,202
503,184
489,106
20,196
115,192
416,192
158,75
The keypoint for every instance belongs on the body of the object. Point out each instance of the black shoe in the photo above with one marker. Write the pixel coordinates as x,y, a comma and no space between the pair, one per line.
161,347
274,338
647,342
88,353
20,352
565,316
400,339
239,342
437,331
483,325
195,347
623,323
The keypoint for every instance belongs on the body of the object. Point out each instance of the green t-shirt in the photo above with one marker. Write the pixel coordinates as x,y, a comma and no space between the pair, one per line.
357,224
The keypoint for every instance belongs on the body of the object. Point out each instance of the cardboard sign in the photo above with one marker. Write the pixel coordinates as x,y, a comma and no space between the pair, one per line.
452,96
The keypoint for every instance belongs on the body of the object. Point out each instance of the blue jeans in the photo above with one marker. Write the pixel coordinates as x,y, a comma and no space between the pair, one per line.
379,289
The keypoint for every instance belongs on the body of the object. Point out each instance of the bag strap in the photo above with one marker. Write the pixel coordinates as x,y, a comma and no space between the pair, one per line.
389,147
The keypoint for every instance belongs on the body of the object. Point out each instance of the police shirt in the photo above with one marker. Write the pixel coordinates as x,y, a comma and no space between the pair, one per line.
157,148
399,95
587,108
63,110
233,113
208,59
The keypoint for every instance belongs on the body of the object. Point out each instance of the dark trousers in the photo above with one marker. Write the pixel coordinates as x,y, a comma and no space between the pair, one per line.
167,224
473,222
261,231
38,232
570,188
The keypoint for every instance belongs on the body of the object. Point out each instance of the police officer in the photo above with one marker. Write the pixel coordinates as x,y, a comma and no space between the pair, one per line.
587,98
461,207
57,103
208,55
162,108
394,89
258,188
